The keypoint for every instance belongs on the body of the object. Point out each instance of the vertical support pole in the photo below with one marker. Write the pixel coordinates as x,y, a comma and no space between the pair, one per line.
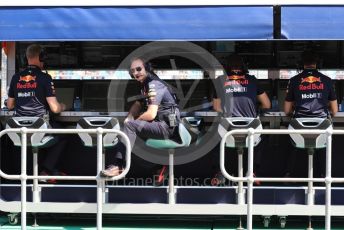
35,190
100,181
310,192
23,177
250,178
3,76
105,190
7,67
328,180
171,190
240,192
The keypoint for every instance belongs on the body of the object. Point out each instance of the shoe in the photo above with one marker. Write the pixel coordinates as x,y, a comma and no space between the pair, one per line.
218,179
160,176
111,171
43,173
49,181
257,182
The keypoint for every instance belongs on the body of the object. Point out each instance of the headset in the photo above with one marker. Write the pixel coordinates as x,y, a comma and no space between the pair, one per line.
310,57
236,62
42,55
148,67
238,73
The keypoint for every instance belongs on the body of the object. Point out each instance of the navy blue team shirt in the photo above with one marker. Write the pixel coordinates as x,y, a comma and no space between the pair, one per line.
156,92
30,88
311,92
238,94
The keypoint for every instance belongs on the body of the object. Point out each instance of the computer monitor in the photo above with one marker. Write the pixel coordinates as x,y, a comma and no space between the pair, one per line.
282,85
95,96
65,96
267,86
339,88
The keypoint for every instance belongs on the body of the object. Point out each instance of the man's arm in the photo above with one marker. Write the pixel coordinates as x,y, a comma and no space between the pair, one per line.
54,105
288,108
10,103
333,107
217,105
150,114
264,101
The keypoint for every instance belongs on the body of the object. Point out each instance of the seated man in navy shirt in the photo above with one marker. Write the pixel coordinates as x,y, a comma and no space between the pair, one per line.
148,117
32,94
237,94
309,94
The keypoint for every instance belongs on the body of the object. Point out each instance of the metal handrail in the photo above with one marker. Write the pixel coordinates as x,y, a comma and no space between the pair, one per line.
100,181
250,178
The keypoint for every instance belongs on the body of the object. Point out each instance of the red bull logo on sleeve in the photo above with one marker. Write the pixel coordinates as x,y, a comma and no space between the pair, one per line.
311,83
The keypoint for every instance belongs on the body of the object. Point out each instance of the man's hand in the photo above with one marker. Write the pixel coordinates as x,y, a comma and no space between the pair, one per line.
63,107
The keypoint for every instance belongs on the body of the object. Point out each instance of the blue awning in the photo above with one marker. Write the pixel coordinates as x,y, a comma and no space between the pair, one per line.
312,22
136,23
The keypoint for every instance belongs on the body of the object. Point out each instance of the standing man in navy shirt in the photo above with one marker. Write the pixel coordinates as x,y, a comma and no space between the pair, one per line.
309,94
148,117
237,94
32,94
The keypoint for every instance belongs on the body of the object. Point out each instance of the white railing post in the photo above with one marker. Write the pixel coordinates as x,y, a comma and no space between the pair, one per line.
328,179
171,189
23,176
100,181
250,179
35,188
106,190
310,190
241,191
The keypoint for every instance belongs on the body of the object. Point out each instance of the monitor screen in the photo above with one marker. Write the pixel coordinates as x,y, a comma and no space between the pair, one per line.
66,96
95,96
266,86
282,85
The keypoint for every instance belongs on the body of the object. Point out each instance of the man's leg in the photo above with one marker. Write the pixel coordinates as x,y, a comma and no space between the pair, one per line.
320,163
132,129
290,163
54,152
53,155
143,129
